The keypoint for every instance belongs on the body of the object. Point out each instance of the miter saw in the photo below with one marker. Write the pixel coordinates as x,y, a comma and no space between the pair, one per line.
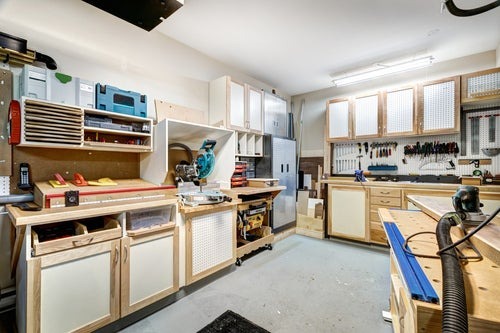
193,175
467,205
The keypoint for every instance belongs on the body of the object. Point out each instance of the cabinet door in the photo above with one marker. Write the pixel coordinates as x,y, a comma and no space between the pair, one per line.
237,105
481,87
149,269
210,242
367,112
254,110
338,120
74,290
400,116
348,211
275,115
439,106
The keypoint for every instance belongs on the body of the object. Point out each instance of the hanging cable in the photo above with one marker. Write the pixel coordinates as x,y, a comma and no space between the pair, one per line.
454,10
469,235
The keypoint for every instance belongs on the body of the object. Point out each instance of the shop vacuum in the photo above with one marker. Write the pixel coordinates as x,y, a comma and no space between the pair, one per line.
467,212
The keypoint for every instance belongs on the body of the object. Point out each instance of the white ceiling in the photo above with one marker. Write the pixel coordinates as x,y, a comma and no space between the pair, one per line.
295,46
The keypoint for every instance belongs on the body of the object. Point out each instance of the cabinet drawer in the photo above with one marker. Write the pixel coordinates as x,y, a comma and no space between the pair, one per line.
55,237
375,225
386,201
385,192
378,236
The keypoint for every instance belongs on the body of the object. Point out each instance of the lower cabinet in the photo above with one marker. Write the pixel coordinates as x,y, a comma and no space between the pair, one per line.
210,241
73,291
381,198
149,269
347,217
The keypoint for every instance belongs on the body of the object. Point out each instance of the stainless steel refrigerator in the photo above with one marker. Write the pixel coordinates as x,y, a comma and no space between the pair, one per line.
279,161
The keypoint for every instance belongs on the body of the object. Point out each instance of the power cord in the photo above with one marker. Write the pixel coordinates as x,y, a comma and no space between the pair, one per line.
470,234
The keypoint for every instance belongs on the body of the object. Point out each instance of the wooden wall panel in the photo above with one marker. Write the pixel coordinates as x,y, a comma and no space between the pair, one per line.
44,163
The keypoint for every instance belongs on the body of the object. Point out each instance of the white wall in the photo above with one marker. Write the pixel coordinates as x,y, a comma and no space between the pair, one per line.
91,44
314,112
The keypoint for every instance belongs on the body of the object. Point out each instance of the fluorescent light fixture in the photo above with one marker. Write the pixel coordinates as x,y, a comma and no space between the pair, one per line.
382,70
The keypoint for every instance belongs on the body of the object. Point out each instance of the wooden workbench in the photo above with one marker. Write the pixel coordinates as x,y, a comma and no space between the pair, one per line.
480,277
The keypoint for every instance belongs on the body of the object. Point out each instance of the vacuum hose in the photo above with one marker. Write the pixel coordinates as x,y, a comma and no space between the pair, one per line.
454,303
454,10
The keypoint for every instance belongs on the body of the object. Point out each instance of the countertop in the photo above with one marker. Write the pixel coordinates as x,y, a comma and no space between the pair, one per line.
403,184
487,240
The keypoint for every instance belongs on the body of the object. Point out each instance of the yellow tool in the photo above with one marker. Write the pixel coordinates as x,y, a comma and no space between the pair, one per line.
102,182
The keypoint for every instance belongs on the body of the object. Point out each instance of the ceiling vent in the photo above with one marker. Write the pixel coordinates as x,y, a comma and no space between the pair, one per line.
145,14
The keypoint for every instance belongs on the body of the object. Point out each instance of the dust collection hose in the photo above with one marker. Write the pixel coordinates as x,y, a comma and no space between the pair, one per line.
454,304
454,10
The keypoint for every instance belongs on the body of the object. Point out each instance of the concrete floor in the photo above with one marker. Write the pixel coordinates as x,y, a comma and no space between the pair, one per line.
302,285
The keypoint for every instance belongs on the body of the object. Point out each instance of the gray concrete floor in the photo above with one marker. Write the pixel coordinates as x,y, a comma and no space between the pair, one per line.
302,285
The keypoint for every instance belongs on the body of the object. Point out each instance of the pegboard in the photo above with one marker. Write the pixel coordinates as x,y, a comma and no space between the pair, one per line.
4,185
345,159
400,111
483,85
212,239
439,99
339,119
366,111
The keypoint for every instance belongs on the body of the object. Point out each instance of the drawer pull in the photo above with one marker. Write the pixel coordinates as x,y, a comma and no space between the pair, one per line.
117,254
83,242
385,192
384,201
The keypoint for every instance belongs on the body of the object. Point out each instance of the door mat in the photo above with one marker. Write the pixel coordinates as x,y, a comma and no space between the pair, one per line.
230,322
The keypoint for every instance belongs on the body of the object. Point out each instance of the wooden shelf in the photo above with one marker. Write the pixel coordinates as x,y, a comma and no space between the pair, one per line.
47,124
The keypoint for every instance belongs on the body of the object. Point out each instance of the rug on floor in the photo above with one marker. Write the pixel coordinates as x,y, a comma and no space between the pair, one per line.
231,322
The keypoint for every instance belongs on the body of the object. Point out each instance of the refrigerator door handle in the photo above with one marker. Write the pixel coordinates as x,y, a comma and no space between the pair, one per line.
282,168
287,167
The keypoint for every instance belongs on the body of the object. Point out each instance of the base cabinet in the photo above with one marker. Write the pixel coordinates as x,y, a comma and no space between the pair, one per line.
149,269
348,212
74,290
210,241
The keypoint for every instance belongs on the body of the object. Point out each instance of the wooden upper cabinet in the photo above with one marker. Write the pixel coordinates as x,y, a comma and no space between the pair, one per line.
399,112
367,116
483,86
338,119
236,105
439,106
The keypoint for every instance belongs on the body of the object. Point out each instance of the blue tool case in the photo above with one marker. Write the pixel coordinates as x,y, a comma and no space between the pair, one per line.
113,99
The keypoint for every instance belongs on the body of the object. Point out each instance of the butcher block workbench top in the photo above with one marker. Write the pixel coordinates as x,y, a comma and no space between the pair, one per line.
487,240
480,278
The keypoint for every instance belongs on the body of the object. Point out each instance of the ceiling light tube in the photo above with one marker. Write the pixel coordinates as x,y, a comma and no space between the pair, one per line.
383,71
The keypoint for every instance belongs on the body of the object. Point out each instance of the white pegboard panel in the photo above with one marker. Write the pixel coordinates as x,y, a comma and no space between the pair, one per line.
483,85
346,162
339,113
4,185
212,240
400,111
439,106
366,111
